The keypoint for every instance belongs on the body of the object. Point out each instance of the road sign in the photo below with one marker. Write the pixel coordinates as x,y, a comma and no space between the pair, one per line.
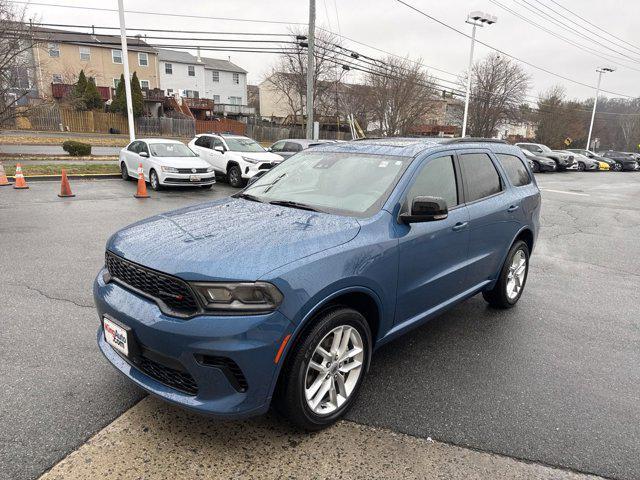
567,141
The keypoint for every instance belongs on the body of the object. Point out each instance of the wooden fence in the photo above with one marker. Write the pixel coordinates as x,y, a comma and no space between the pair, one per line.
221,125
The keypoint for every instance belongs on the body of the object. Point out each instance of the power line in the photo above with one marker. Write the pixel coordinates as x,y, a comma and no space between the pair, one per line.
561,37
64,25
460,32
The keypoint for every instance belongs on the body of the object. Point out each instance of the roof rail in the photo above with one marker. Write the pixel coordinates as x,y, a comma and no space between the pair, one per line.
473,140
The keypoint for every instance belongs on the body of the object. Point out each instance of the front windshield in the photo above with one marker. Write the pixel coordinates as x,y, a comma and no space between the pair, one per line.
243,145
544,148
344,183
170,150
527,153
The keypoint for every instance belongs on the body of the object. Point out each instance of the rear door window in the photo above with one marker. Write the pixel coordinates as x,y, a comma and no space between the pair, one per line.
278,146
204,142
292,147
516,171
480,177
134,146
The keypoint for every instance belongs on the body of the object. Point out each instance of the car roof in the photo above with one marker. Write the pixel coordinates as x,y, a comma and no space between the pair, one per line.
305,141
412,146
158,140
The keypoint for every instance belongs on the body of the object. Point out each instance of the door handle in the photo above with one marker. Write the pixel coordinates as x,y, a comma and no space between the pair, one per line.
513,208
459,226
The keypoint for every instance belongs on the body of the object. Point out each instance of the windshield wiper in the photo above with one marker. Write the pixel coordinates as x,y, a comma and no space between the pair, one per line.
248,196
289,203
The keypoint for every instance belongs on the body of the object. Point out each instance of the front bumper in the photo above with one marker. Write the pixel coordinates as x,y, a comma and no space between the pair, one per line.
251,169
183,179
251,343
547,168
630,166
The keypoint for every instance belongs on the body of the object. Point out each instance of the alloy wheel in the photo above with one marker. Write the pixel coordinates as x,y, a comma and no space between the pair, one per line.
581,167
516,274
333,370
153,180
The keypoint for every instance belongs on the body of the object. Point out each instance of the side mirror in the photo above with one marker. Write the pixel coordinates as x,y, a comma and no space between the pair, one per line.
144,154
590,155
256,177
426,209
269,149
219,149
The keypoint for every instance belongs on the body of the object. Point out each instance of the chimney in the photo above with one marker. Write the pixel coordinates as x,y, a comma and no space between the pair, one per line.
198,58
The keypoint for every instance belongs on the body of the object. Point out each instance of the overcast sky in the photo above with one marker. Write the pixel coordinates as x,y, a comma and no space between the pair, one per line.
388,25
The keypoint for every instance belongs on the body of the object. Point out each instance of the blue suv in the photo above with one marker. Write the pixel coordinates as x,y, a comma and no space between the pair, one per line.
283,291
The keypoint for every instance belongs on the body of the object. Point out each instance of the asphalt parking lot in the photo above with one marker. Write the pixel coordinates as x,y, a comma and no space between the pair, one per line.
554,381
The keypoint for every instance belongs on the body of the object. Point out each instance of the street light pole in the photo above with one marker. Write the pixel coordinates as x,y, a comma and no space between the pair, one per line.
311,66
125,64
477,19
600,71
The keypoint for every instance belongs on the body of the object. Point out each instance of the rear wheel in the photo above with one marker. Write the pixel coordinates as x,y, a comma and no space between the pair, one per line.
512,279
324,372
124,172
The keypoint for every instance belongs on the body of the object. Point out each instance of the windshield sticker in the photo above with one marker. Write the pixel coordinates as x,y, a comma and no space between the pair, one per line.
383,164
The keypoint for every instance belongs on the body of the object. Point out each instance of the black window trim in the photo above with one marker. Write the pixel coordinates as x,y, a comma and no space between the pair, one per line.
495,165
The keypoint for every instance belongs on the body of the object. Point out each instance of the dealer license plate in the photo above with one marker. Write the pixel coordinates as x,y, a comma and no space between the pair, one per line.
194,178
116,336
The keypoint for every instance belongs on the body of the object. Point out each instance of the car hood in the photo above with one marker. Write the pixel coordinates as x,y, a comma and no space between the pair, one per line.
260,156
182,162
230,239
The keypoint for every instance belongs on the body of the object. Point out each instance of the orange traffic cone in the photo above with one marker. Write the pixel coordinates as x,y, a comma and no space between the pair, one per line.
142,186
65,188
20,181
4,181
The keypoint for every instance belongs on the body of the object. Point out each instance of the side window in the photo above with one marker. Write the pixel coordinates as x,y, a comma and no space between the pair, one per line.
218,143
516,171
480,176
292,147
143,148
278,146
204,141
436,179
133,147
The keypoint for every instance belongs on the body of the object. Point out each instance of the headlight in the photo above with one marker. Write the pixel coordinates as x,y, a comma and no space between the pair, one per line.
169,169
258,296
250,160
210,169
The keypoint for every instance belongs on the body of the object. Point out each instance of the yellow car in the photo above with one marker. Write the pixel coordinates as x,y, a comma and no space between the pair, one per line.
603,165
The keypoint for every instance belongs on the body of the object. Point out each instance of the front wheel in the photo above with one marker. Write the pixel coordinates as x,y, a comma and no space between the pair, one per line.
124,172
235,177
581,167
536,167
617,167
154,181
513,276
324,372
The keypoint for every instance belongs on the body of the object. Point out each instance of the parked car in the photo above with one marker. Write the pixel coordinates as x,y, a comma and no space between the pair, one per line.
540,164
563,160
283,291
623,160
237,157
165,163
289,147
582,162
589,154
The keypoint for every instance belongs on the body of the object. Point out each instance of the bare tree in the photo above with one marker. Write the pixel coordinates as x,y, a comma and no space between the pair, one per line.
289,75
17,66
400,95
498,89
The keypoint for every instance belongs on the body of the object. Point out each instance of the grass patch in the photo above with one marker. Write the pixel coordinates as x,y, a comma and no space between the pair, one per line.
56,168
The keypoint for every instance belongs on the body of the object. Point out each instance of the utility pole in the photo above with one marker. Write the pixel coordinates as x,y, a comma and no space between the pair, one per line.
310,66
127,78
477,19
600,71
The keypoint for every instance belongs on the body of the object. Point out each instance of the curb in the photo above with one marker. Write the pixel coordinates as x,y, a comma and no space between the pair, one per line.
78,176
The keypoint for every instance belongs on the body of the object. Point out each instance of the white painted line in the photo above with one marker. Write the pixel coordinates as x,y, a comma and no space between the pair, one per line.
564,191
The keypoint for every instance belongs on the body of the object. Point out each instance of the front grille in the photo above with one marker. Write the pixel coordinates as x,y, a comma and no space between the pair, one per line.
229,368
170,377
190,170
171,293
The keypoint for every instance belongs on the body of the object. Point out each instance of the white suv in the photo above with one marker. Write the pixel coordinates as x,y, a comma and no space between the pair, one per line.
236,156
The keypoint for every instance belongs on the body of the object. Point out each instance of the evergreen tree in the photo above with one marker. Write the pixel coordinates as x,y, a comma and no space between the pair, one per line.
78,92
92,98
119,101
136,96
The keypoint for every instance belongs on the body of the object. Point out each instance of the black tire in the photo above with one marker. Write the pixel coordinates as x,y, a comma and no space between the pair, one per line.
617,167
124,172
207,187
234,175
154,181
558,167
497,297
289,399
581,167
536,167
